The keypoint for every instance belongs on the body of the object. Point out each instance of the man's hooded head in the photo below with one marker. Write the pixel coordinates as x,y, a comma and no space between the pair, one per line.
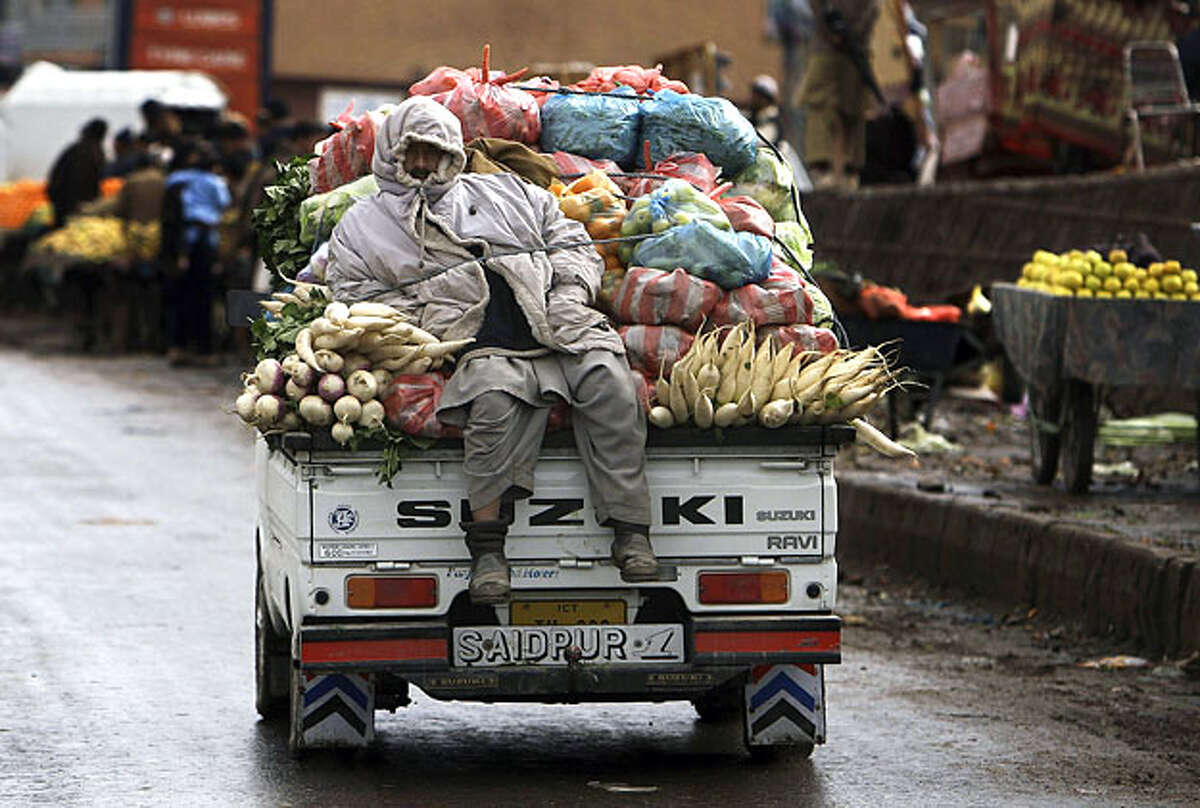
435,163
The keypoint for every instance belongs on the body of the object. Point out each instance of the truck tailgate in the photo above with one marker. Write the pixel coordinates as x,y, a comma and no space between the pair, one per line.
705,504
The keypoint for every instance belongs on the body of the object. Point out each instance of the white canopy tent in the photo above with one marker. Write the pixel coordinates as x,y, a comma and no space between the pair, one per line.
46,108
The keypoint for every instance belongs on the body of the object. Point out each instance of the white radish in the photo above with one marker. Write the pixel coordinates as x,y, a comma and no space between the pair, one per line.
315,410
329,361
272,306
245,406
411,333
677,401
341,432
725,415
286,297
368,309
337,312
393,350
323,326
747,405
370,323
438,350
304,349
702,411
270,376
691,388
267,410
346,340
708,377
762,380
362,385
879,441
353,362
347,409
775,414
417,366
661,417
372,416
331,387
662,390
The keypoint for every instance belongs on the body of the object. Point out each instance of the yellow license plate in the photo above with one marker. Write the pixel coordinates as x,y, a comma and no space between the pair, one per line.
567,612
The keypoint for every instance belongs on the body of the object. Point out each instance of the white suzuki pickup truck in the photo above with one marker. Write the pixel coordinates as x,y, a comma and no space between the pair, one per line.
362,588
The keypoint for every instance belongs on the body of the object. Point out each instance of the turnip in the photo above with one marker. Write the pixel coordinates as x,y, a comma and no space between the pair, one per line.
294,391
314,410
290,363
329,361
250,385
342,433
245,406
331,387
661,417
268,409
290,422
372,415
353,363
347,409
383,380
304,376
362,385
270,376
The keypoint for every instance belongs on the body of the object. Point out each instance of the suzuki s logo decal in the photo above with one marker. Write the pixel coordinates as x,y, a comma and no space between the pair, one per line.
343,519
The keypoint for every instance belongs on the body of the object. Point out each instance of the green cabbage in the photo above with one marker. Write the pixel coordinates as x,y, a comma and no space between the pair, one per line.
319,214
769,181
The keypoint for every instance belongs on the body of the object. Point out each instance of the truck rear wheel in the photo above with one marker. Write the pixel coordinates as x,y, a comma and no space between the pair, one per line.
271,657
721,703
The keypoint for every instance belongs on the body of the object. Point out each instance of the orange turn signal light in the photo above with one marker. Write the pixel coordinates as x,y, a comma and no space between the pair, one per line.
391,592
743,587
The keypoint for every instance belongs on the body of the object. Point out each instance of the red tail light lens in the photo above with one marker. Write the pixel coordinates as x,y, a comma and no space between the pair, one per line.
743,587
379,592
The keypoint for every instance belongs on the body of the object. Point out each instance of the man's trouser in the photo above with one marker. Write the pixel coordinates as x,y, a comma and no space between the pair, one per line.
503,435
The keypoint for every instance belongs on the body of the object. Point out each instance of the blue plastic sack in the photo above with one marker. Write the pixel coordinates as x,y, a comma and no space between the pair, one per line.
692,123
727,259
600,127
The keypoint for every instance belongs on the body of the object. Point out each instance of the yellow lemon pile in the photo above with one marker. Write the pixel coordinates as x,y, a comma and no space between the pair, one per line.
1088,274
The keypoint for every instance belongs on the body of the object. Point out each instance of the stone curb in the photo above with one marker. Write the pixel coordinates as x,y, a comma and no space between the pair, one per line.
1131,591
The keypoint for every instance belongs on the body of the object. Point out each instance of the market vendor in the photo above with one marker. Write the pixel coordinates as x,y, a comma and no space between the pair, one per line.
460,254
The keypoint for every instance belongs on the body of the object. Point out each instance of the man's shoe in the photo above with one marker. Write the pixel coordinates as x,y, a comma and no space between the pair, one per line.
489,579
632,554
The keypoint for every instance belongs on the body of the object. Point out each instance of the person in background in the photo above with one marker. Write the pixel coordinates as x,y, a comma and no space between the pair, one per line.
194,200
791,22
161,130
75,176
138,300
763,111
274,125
836,92
126,146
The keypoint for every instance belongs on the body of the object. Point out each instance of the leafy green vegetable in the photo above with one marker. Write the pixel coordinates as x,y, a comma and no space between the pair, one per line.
274,336
396,447
319,214
277,220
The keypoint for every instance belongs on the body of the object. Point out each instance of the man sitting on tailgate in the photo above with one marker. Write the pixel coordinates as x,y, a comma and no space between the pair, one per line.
435,244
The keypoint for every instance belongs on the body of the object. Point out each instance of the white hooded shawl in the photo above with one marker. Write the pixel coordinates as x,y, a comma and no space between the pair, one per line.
386,247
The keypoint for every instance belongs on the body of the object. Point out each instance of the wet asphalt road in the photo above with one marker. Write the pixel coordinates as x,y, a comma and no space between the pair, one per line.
126,655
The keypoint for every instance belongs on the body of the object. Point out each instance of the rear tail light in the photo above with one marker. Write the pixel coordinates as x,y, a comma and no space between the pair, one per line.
743,587
380,592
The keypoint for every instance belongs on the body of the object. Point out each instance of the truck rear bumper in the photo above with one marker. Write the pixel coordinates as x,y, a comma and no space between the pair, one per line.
717,650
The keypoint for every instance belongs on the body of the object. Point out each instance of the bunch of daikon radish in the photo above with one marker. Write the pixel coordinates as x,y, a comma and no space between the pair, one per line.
343,364
726,379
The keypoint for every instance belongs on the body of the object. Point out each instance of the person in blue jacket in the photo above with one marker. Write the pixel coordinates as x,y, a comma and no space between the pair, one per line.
196,197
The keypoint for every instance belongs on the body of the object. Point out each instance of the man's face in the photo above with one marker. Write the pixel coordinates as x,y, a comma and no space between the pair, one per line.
421,159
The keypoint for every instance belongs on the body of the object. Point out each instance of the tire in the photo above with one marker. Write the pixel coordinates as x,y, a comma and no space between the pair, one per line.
721,703
1079,436
1043,446
272,655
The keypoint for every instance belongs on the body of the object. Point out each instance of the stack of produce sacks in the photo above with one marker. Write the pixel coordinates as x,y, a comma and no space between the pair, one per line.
699,228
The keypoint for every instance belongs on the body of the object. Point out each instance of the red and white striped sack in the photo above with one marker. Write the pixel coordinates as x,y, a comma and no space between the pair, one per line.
654,297
651,347
781,299
801,337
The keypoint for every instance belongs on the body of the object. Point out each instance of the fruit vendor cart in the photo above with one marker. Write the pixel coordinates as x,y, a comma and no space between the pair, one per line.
1070,351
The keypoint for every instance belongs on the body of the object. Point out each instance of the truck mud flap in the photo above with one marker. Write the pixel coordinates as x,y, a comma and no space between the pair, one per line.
337,710
785,705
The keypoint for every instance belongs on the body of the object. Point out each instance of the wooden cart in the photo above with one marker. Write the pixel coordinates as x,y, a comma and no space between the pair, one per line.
1070,351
